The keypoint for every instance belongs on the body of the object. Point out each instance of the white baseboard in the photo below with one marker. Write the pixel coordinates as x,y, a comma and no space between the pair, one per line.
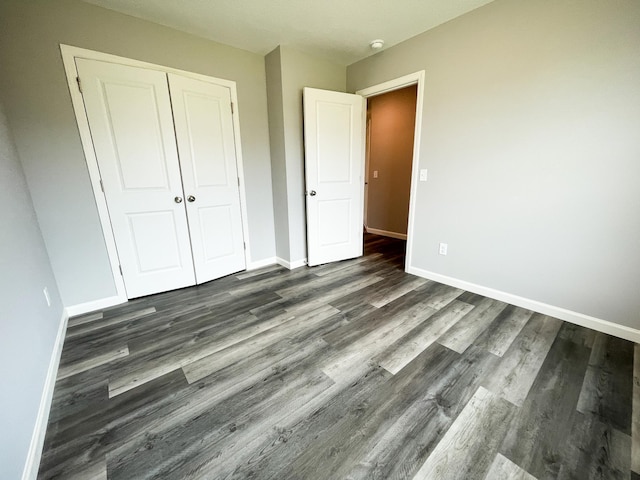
570,316
37,439
261,263
87,307
385,233
291,265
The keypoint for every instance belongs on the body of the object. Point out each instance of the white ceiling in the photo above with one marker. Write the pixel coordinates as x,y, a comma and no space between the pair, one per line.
338,30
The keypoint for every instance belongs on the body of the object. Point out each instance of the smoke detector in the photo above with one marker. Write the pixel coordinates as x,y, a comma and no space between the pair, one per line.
377,44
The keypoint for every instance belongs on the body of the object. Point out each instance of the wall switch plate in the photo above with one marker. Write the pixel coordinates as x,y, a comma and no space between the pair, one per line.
443,249
423,174
375,174
46,296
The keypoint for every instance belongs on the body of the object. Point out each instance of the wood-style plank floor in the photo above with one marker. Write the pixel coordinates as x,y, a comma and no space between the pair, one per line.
354,370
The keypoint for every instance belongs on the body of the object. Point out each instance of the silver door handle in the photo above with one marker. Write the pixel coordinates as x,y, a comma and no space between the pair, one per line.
191,198
312,193
178,199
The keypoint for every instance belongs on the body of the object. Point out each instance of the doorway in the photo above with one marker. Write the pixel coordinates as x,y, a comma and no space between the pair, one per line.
335,145
392,140
389,154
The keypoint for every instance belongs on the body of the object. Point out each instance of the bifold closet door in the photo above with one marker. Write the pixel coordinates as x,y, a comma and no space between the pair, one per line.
130,118
204,131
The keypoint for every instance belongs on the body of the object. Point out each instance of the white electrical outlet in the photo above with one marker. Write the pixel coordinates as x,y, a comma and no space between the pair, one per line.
423,175
443,249
46,296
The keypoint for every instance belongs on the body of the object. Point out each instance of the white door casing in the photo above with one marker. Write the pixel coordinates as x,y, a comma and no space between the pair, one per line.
129,114
334,168
367,174
417,78
204,133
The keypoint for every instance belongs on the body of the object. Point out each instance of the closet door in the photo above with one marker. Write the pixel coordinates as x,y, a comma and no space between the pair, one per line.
130,118
204,130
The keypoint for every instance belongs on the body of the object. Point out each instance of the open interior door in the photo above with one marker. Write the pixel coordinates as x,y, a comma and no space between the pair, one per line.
334,169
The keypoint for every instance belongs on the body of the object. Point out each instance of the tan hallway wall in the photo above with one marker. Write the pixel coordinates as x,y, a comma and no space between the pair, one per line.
391,118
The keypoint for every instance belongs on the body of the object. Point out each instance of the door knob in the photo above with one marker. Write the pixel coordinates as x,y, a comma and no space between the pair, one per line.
178,199
191,198
312,193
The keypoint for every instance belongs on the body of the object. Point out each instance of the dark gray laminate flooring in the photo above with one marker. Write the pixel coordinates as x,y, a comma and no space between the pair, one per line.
354,370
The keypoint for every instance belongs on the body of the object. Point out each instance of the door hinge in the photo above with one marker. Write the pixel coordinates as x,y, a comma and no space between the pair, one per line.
79,84
244,244
120,268
238,181
101,186
231,108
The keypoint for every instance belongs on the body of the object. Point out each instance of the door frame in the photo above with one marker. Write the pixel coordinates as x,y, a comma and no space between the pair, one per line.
416,78
367,151
69,54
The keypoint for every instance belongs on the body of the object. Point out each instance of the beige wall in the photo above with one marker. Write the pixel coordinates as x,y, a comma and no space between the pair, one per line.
391,122
36,96
290,71
530,134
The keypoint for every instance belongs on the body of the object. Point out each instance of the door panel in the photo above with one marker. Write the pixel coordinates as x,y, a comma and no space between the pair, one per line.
204,130
334,163
153,256
335,155
212,221
336,213
131,124
206,150
139,157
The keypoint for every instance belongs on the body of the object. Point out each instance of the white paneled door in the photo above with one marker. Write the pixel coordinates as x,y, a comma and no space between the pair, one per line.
204,129
334,164
166,238
131,124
